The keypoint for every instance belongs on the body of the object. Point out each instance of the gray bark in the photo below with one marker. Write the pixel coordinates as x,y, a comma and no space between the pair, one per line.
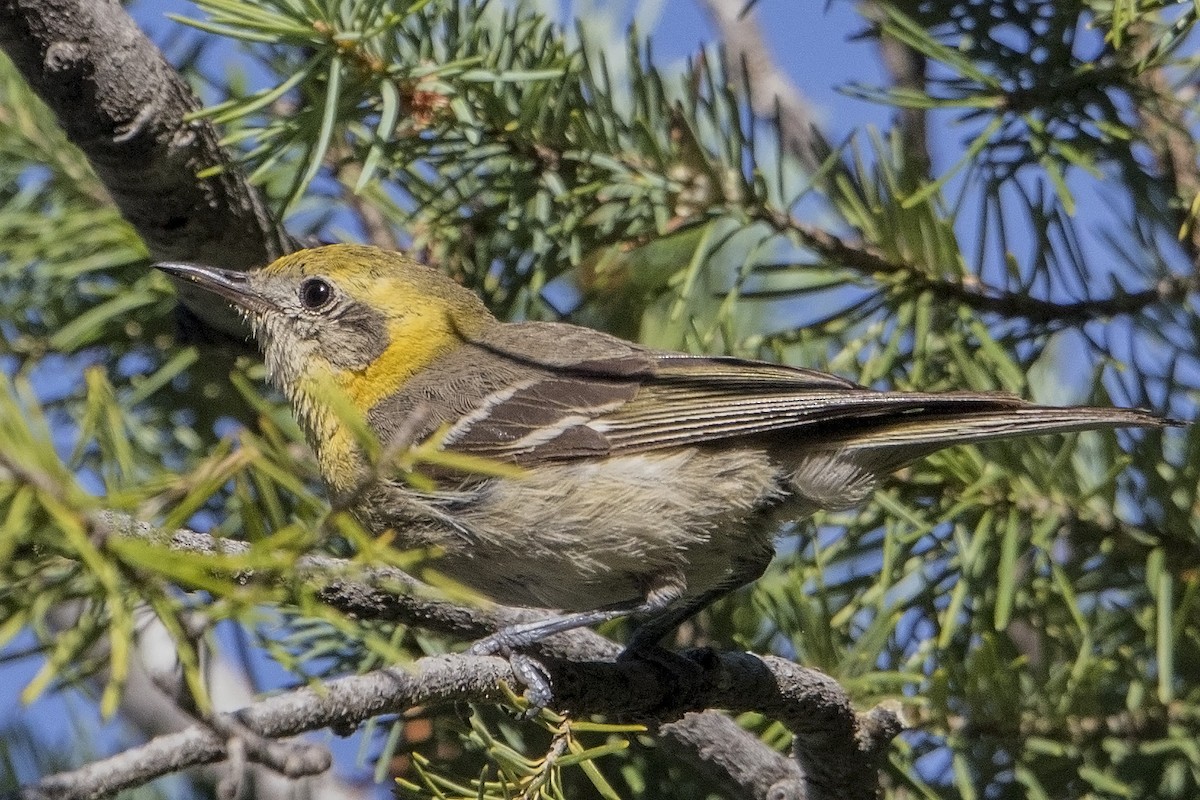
123,105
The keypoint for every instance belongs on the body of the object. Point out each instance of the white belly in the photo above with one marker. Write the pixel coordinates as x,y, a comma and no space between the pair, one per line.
583,535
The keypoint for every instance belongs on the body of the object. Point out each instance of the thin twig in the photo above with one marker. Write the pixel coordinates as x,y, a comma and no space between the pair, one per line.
906,69
772,94
976,294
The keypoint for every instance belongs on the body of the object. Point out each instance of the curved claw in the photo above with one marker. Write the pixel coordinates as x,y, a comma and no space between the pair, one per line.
538,691
528,670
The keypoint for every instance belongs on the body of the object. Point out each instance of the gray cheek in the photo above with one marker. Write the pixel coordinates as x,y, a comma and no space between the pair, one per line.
358,338
347,349
350,339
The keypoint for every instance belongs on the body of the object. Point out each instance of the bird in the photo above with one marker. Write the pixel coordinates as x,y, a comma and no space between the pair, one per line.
638,482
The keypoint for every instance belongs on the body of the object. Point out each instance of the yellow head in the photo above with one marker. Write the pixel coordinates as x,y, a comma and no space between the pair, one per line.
358,317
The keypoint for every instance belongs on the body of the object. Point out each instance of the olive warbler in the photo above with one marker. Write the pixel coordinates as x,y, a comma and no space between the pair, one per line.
651,482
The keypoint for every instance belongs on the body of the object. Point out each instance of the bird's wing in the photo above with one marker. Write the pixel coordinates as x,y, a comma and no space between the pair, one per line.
898,426
595,395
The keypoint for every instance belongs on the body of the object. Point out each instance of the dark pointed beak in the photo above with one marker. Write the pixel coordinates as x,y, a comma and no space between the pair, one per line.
233,286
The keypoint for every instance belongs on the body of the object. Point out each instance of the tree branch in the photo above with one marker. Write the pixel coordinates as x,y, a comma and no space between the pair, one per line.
123,105
748,767
974,293
841,748
906,68
771,92
1163,121
732,758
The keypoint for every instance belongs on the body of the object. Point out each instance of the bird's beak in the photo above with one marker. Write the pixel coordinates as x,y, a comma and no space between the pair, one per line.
233,286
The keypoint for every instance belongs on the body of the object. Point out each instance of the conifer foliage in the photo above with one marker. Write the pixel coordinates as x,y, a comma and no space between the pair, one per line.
1026,222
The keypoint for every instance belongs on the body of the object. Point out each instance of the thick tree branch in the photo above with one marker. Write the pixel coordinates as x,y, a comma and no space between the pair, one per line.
123,105
732,758
842,749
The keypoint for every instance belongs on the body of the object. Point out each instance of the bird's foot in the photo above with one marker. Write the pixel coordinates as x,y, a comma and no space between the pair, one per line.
501,642
529,672
685,675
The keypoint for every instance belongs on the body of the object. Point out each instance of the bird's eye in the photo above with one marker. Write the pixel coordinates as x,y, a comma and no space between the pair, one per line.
315,293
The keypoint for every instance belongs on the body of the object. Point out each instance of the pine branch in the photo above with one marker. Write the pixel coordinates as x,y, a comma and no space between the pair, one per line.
835,747
975,294
840,749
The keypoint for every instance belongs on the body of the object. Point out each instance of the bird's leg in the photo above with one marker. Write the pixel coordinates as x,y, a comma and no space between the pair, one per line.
661,592
516,637
685,672
522,635
529,671
656,624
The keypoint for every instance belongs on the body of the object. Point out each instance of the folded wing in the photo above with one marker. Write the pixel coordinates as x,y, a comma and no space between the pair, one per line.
625,399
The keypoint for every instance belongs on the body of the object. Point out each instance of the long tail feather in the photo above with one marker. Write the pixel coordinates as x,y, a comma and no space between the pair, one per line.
935,428
855,451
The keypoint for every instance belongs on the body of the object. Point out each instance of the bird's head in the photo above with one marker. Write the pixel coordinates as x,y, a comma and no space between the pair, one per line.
365,319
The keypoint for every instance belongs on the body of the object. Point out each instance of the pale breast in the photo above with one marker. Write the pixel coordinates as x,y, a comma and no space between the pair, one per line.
584,534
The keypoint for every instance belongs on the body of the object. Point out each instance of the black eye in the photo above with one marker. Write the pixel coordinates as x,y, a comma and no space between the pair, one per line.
315,293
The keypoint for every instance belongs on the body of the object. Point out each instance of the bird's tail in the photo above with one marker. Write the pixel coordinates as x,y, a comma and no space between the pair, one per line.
855,451
936,426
